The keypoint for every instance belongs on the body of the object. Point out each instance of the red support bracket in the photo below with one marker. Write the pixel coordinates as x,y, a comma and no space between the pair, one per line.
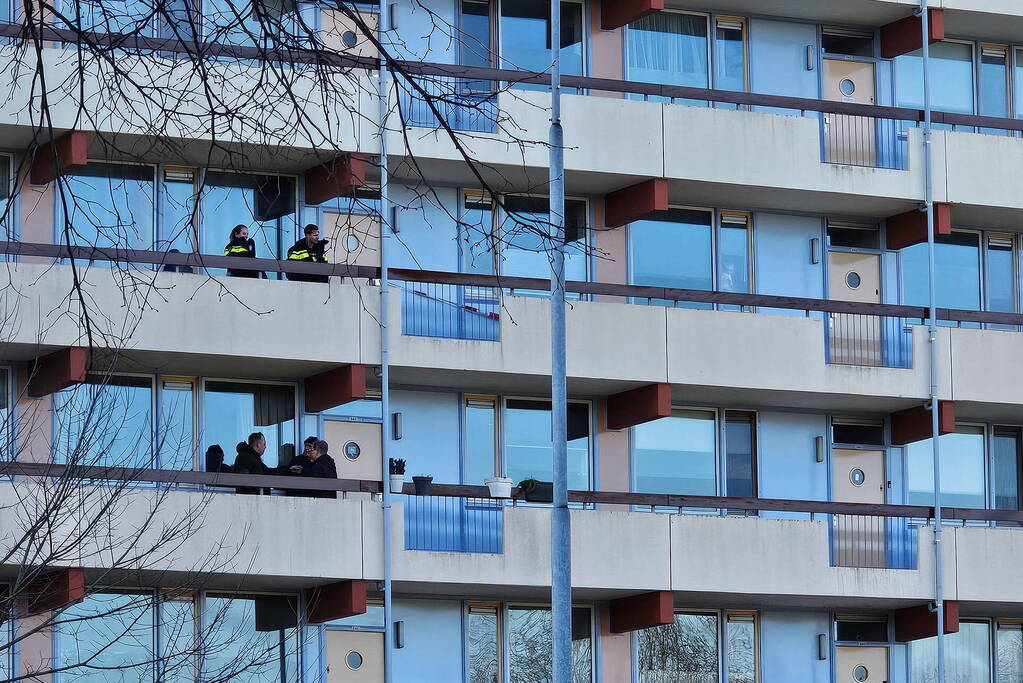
336,601
646,610
637,406
907,229
335,387
58,370
914,424
334,178
916,623
51,160
635,202
905,35
617,13
55,589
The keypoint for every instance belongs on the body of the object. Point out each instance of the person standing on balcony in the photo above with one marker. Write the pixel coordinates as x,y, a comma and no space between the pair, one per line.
314,463
240,245
249,460
310,249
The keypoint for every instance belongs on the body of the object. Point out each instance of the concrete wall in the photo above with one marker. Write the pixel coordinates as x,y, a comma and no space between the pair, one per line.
788,647
787,466
433,641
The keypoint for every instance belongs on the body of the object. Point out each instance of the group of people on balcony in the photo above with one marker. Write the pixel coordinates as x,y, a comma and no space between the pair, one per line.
309,248
314,462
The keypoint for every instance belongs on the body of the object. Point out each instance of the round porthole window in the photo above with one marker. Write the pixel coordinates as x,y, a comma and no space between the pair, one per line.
857,477
352,243
348,38
847,87
352,450
353,660
853,280
860,673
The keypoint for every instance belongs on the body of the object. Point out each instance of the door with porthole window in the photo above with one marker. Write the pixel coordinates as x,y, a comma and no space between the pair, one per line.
857,664
355,656
354,238
849,139
355,447
858,476
855,339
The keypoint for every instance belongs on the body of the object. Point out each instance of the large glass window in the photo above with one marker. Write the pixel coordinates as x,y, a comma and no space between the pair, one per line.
530,646
475,44
233,410
956,260
528,450
177,204
967,655
1009,647
1005,466
741,633
994,84
480,439
740,454
107,205
176,438
526,36
482,641
250,638
107,634
671,48
1000,274
524,231
962,470
683,652
676,454
730,56
106,421
951,71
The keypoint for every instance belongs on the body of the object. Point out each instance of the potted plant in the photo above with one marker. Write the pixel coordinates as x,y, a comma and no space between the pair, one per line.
500,487
537,491
423,483
397,468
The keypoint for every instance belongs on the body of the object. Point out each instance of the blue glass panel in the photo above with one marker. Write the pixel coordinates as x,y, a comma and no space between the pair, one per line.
674,250
235,650
967,655
528,443
105,423
177,426
526,37
951,71
669,48
963,473
957,260
108,205
233,410
107,633
676,454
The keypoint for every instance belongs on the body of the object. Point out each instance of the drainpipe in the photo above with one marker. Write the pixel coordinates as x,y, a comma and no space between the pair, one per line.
383,84
561,559
932,333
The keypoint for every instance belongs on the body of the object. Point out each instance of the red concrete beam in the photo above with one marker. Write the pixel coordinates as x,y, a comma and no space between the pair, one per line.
58,370
55,589
637,406
336,601
646,610
906,35
907,229
52,159
617,13
914,424
916,623
335,178
335,387
635,202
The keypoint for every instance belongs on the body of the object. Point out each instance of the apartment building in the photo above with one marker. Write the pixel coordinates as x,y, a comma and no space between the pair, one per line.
749,364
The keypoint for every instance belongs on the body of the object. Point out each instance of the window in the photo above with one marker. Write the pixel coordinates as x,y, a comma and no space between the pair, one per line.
671,48
853,629
842,41
252,638
526,37
475,43
951,70
176,439
846,430
1009,649
107,422
967,655
742,647
686,650
476,239
730,55
530,648
994,84
108,632
740,454
1000,273
177,202
525,231
482,642
853,235
528,450
266,204
372,619
962,470
676,248
7,233
1005,466
480,439
957,259
107,205
233,410
6,636
7,427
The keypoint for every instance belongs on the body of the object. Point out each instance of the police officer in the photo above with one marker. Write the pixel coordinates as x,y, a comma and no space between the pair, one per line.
240,245
310,248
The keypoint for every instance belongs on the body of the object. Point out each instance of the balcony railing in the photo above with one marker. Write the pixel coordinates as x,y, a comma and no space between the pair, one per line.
430,309
457,103
453,524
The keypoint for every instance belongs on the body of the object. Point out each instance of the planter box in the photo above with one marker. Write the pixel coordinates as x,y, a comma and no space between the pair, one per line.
543,492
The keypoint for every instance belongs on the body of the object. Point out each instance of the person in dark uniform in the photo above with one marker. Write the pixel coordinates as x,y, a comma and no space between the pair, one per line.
242,246
314,464
310,249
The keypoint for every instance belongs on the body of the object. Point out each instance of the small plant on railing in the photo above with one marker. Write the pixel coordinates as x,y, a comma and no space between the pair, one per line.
537,491
396,467
423,483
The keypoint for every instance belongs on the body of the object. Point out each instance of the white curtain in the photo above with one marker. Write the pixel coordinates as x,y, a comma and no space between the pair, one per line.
668,47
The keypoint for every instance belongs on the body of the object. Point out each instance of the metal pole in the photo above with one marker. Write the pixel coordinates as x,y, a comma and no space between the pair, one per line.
932,333
384,82
561,559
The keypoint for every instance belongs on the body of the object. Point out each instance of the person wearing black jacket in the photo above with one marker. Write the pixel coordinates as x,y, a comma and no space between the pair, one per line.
241,246
250,460
310,249
314,464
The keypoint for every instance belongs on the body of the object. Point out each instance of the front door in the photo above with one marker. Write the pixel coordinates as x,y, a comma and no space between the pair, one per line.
355,447
861,664
849,139
855,339
355,656
858,477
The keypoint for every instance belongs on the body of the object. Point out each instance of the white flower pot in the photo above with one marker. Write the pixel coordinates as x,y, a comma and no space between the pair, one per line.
500,487
397,481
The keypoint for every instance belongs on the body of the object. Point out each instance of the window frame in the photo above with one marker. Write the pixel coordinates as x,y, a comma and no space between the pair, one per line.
986,430
502,431
723,617
496,403
497,35
713,39
990,501
504,646
498,612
